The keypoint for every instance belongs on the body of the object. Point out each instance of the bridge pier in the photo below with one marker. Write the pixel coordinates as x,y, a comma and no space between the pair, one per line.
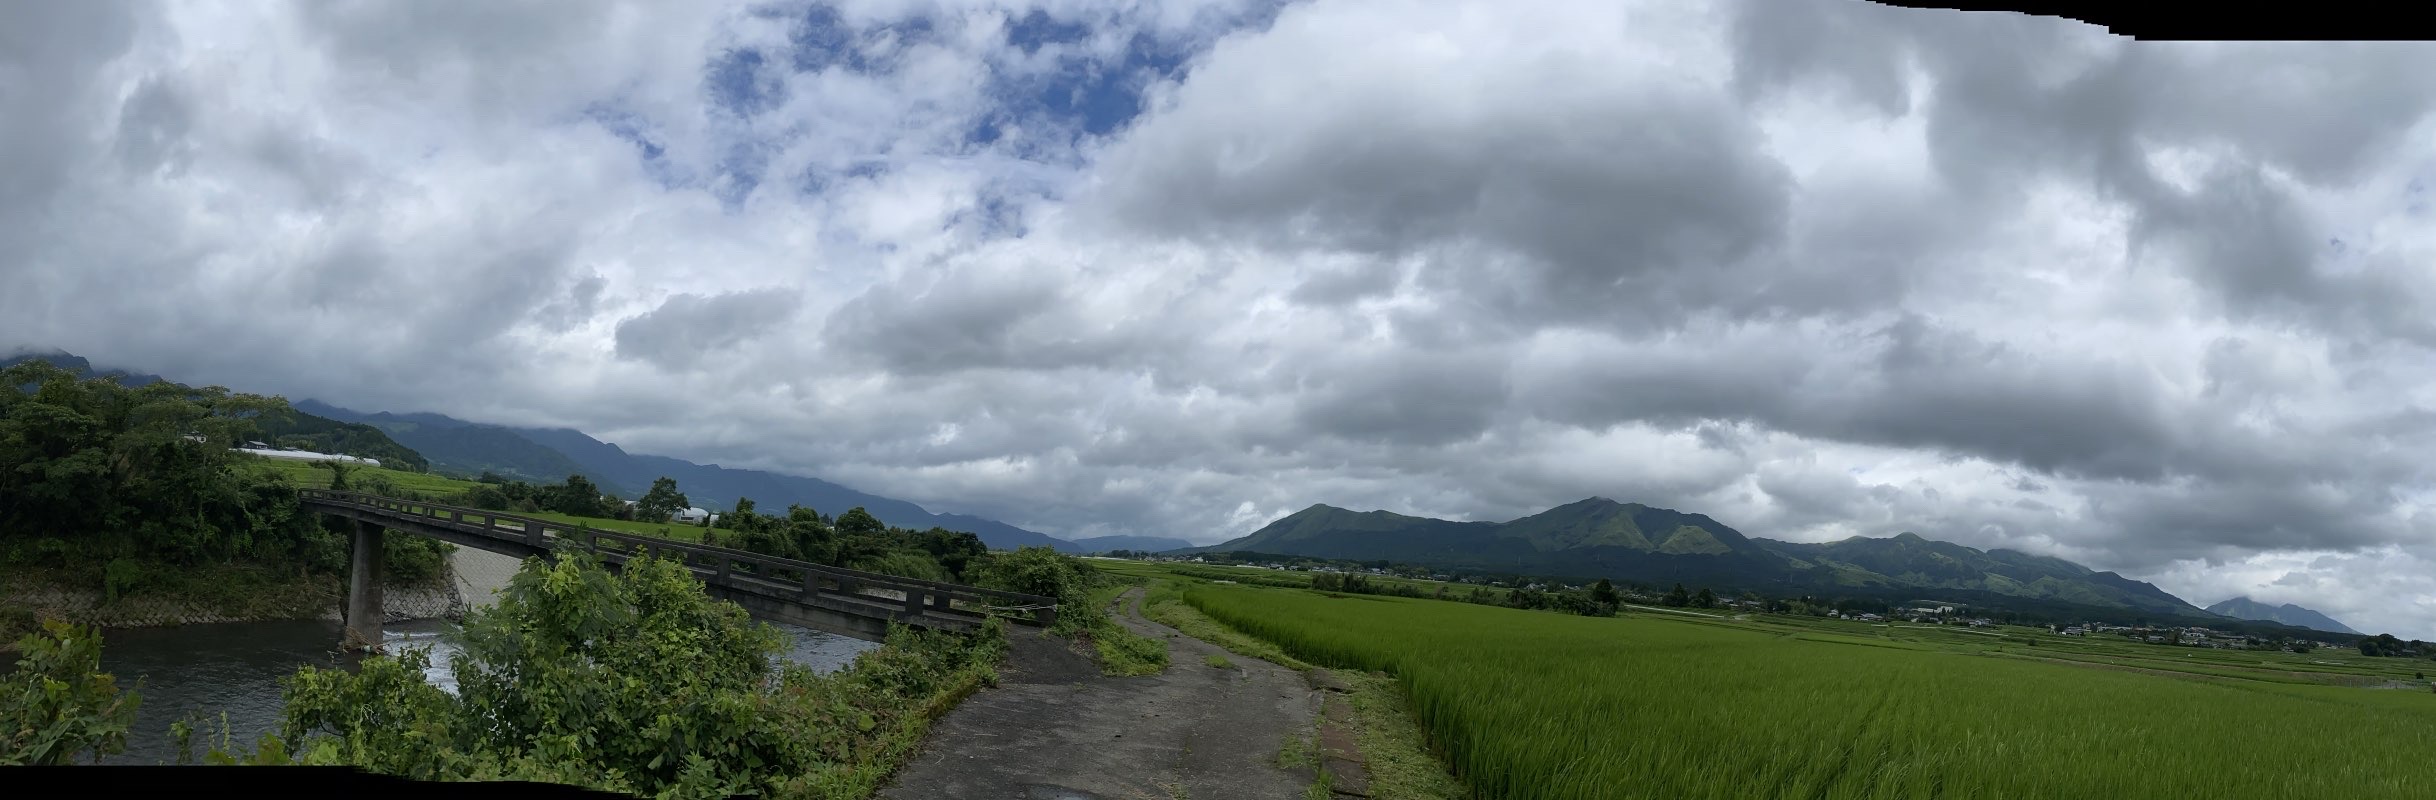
364,612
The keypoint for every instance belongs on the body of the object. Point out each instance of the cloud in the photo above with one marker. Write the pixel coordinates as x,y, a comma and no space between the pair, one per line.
1182,268
689,328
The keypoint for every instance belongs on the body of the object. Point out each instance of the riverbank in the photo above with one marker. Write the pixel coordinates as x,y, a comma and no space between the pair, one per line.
211,594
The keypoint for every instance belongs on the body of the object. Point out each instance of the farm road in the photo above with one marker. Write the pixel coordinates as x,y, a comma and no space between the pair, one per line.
1056,729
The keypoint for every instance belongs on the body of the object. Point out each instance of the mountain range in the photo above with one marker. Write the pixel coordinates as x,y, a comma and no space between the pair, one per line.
1592,538
2289,614
551,454
1602,538
548,455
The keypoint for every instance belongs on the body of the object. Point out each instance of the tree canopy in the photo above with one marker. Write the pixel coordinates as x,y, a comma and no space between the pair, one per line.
662,501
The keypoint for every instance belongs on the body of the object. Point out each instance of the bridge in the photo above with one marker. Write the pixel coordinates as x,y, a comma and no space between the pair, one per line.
842,601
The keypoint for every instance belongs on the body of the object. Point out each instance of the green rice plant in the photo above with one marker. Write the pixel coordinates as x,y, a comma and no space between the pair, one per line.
1536,705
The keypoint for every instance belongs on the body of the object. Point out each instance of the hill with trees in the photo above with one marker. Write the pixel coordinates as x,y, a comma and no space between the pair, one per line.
136,489
1602,538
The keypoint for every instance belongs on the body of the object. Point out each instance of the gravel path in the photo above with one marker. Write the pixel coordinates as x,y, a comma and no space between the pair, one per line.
1056,729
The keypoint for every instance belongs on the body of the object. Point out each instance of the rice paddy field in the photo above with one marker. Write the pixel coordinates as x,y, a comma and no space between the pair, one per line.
1533,704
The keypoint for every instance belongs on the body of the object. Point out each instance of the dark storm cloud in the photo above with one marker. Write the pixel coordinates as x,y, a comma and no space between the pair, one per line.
1414,398
689,328
50,57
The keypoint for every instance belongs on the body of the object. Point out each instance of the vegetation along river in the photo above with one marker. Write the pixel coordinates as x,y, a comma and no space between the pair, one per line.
236,667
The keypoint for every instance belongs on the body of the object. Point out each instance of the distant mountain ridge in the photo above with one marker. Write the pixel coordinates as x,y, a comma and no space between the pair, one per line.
551,454
454,445
2245,608
1602,538
77,364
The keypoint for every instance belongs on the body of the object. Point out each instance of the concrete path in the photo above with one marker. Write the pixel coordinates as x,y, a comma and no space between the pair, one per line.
1056,729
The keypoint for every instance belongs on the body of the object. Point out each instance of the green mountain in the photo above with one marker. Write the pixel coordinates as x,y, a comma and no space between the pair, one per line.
456,446
290,428
1909,561
1602,538
2289,614
303,431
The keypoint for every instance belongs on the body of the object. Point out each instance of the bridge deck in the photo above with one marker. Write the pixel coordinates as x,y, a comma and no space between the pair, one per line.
798,591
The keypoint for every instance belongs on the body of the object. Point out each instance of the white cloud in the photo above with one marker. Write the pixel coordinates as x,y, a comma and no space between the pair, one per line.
1461,259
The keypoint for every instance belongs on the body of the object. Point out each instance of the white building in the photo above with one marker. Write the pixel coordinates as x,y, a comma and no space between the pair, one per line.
307,455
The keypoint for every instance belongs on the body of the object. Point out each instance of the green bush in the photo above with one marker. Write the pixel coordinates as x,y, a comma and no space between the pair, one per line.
58,703
633,682
1047,573
905,564
413,560
1082,595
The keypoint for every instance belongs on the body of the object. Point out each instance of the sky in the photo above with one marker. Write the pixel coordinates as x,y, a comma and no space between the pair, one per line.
1182,268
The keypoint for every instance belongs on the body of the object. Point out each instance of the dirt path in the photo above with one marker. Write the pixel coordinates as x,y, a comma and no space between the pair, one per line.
1056,729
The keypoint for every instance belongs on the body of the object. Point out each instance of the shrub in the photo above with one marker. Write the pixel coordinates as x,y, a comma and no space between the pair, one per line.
904,564
634,682
59,703
1044,572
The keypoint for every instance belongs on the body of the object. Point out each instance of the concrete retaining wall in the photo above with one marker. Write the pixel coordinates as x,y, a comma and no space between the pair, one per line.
318,600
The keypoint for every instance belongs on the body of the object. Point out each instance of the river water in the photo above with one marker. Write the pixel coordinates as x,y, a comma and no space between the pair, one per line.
235,668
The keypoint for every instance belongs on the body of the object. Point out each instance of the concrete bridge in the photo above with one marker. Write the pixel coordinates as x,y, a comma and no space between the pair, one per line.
842,601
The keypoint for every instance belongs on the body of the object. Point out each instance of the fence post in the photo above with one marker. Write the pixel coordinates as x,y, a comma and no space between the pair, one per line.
915,598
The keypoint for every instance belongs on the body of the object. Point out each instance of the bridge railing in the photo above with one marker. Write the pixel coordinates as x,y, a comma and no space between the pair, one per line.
726,566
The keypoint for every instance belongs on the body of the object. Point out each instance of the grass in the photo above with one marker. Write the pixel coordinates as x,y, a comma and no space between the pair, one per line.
305,475
1534,704
1217,661
1394,747
1121,651
1164,603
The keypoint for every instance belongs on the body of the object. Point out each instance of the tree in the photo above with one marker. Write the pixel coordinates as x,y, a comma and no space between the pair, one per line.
338,474
1707,599
857,522
1604,592
662,501
1678,597
92,471
577,497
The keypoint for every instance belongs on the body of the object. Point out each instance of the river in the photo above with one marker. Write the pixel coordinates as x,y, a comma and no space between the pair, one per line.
236,667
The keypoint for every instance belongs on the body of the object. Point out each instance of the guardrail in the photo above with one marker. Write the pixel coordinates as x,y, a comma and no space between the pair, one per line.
721,565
